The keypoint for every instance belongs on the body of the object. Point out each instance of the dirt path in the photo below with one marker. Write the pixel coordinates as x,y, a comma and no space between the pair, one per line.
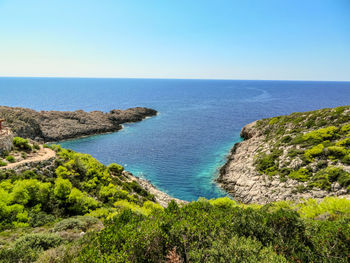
42,155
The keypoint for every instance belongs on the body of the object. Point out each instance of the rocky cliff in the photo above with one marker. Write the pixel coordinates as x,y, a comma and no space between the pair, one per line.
301,155
6,137
60,125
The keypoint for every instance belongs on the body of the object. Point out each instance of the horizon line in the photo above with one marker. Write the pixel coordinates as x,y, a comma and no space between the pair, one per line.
160,78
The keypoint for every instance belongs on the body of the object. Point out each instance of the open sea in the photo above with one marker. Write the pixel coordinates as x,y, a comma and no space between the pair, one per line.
199,121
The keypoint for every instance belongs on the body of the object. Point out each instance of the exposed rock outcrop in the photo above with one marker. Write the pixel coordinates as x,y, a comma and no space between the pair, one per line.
50,126
6,137
241,178
161,197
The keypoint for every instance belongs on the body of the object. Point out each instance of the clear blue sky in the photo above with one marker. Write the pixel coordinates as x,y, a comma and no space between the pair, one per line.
245,39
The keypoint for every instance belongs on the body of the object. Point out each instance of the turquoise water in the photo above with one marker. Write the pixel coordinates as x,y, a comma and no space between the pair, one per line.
181,149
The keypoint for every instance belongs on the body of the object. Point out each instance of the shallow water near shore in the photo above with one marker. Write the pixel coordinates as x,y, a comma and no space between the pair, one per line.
181,149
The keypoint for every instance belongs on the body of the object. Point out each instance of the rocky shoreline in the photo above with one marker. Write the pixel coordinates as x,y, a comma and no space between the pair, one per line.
240,178
52,126
161,197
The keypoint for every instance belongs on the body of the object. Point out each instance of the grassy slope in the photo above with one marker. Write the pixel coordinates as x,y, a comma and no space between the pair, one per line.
312,147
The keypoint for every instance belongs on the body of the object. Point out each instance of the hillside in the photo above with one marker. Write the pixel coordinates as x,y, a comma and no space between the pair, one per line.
300,155
45,190
49,126
59,206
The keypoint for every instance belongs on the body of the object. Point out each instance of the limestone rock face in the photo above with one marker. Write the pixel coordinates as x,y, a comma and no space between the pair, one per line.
60,125
6,138
240,178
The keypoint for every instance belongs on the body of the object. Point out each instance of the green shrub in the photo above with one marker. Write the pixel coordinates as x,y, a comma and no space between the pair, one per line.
21,144
36,146
38,241
273,121
28,247
79,223
337,151
324,178
10,159
298,139
345,128
4,154
286,139
302,175
346,159
115,168
344,179
80,202
24,155
40,218
314,151
69,223
202,232
2,163
264,162
335,207
321,135
344,142
62,188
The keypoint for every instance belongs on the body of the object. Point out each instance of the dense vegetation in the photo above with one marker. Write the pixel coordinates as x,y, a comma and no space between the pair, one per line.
311,147
79,186
84,211
221,231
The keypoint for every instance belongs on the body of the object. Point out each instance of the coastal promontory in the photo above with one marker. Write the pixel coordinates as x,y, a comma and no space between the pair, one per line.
60,125
301,155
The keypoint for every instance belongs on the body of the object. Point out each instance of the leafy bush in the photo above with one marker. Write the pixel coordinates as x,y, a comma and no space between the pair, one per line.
302,175
62,188
344,142
10,159
36,146
325,177
314,151
346,159
321,135
335,207
4,154
28,247
40,218
265,162
2,163
21,144
115,168
38,241
203,232
286,139
24,155
273,121
337,151
80,202
345,128
81,223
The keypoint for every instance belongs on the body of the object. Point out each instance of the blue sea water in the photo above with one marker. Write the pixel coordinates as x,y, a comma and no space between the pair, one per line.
181,149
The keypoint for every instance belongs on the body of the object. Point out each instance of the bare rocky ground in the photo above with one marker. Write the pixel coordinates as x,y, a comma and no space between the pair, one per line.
50,126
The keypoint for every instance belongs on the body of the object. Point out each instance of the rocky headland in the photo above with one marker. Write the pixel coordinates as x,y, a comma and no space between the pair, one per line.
49,126
302,155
